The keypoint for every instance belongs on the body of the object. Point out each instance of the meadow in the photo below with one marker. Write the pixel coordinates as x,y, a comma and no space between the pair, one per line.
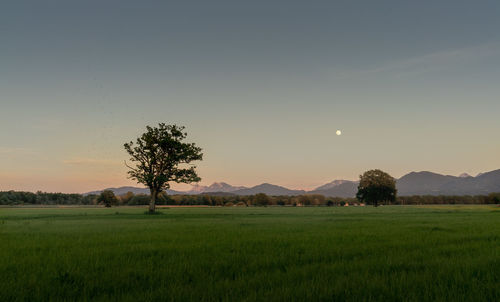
389,253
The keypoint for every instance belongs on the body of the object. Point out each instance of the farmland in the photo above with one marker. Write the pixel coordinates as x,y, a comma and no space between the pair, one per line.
390,253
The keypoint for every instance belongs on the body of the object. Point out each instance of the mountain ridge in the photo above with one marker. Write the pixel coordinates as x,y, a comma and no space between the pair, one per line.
413,183
268,189
215,187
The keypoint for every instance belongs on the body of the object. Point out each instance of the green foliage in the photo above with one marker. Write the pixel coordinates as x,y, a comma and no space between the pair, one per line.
20,198
494,197
108,198
139,199
376,186
126,198
160,156
433,253
39,198
261,199
312,200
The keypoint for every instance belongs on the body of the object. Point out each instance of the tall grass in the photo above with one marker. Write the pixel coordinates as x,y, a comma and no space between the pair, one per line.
397,253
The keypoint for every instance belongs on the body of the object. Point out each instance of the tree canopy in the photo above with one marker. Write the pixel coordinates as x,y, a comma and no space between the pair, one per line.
108,198
160,156
376,186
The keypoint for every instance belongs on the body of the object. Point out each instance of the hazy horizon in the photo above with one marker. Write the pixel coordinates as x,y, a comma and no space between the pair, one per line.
262,87
188,187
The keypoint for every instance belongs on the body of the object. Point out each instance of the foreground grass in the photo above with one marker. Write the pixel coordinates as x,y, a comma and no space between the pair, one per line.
447,253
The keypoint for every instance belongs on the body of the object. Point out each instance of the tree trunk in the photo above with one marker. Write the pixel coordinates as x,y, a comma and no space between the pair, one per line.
152,201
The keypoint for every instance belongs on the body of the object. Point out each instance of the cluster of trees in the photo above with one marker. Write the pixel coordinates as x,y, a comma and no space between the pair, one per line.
493,198
42,198
301,200
230,200
107,198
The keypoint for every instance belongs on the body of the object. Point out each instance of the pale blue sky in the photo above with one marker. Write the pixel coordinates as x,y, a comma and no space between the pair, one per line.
260,85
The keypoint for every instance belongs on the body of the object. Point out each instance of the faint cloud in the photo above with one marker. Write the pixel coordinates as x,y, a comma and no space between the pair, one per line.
90,162
16,150
431,62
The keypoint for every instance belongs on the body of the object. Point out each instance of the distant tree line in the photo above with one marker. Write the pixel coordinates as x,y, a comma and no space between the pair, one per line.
492,198
42,198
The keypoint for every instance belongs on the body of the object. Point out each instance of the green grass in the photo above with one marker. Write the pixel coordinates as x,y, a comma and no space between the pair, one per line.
398,253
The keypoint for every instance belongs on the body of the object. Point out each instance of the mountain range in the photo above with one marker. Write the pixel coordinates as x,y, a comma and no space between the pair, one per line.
215,187
414,183
428,183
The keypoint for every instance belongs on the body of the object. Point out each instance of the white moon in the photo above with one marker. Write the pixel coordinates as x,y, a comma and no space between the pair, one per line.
338,132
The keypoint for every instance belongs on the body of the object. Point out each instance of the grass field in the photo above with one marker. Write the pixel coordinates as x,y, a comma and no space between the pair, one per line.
392,253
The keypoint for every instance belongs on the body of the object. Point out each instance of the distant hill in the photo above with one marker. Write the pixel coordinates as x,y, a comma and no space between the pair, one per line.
414,183
428,183
483,184
343,188
215,187
269,189
422,183
332,184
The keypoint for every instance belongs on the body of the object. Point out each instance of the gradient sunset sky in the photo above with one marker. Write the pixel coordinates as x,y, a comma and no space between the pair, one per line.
261,86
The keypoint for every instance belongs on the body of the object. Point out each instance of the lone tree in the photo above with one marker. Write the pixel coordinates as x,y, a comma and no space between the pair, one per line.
160,157
108,198
376,186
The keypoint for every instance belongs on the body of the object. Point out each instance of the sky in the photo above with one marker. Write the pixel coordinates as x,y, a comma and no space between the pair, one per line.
261,86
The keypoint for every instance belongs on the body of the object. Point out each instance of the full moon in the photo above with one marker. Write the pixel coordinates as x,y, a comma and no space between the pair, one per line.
338,132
